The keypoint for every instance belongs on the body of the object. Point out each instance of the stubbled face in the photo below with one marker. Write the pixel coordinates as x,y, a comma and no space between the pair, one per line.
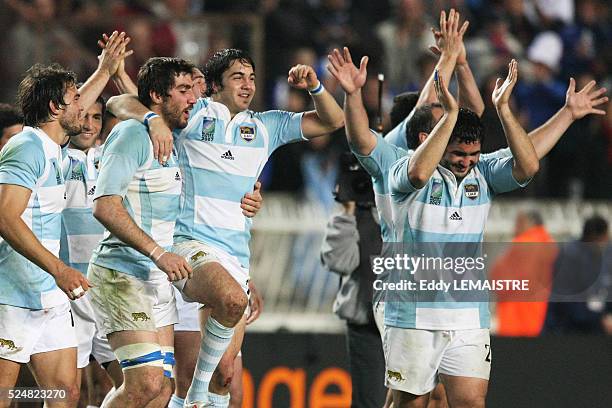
92,125
70,116
9,132
180,100
199,83
460,158
238,87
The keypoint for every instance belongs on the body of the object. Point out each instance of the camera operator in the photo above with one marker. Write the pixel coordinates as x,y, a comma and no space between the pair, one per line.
351,238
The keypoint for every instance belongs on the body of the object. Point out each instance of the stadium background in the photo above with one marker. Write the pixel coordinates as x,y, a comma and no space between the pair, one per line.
552,39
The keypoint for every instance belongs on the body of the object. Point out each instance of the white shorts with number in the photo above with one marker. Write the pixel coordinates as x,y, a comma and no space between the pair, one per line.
415,357
90,340
124,302
24,332
198,253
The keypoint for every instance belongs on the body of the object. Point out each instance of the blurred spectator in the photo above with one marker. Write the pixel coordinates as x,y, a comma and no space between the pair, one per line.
191,35
583,269
493,48
403,37
11,123
337,24
549,14
532,262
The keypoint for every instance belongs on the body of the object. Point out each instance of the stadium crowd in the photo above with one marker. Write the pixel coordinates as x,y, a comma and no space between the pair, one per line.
551,39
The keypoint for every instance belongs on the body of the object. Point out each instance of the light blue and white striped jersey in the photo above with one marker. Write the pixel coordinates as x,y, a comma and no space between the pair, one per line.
81,232
221,159
444,212
377,164
150,192
31,159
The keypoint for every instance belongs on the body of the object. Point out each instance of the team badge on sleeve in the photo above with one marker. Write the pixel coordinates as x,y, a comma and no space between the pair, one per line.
208,129
247,133
471,191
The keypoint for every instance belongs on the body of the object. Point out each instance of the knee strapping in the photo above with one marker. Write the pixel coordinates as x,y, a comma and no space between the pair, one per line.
169,361
139,355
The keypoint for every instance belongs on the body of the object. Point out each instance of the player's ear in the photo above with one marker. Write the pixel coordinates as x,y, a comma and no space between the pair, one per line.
422,137
54,109
156,98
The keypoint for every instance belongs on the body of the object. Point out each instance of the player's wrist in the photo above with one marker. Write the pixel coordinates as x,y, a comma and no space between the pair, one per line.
149,117
318,89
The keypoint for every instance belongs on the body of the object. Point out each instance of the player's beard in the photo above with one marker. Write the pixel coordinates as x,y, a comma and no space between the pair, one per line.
72,126
173,116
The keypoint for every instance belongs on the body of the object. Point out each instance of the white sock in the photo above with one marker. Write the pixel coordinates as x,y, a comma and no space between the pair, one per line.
107,397
214,343
176,402
219,401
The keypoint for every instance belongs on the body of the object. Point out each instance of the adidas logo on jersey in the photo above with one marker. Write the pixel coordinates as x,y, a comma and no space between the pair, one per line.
91,191
456,216
177,176
227,155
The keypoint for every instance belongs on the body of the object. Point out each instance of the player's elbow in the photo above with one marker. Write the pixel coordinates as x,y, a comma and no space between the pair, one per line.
531,168
417,176
101,210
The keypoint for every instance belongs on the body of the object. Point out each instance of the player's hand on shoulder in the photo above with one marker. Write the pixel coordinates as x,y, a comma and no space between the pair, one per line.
161,136
302,77
173,265
72,282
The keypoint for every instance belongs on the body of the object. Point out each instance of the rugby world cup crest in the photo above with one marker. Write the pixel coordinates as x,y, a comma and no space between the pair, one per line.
208,129
247,133
435,198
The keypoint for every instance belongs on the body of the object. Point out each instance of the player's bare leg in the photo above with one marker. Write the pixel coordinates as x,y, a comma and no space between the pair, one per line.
236,392
8,379
405,400
57,370
465,392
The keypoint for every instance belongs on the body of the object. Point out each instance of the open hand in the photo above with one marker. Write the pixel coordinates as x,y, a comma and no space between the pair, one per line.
346,73
114,51
583,102
446,99
502,91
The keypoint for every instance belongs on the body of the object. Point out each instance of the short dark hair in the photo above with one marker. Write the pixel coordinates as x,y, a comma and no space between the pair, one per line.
594,227
469,127
158,75
219,63
41,85
403,104
422,120
9,116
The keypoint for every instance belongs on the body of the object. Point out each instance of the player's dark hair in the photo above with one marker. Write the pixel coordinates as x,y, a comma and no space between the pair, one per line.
403,104
219,63
421,121
41,85
158,75
594,227
9,116
469,127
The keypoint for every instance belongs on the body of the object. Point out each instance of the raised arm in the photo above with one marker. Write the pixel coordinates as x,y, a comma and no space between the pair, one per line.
112,55
327,116
577,105
122,80
352,80
450,43
427,156
468,94
526,163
